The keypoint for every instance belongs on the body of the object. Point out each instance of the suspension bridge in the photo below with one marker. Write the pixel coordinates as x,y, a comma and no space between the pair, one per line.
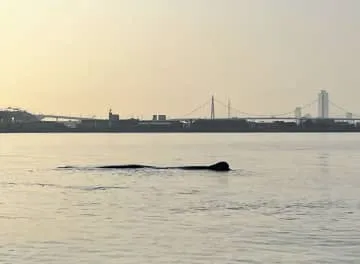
230,112
210,110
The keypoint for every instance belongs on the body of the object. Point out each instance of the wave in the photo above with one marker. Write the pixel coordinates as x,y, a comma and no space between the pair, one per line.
50,185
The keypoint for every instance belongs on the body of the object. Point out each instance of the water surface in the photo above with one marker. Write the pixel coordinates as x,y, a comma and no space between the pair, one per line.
292,198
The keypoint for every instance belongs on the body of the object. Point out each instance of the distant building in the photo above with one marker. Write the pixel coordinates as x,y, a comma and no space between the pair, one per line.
113,117
323,104
159,118
162,117
349,115
15,115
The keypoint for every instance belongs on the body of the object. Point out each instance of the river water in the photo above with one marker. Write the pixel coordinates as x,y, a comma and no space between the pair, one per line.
291,198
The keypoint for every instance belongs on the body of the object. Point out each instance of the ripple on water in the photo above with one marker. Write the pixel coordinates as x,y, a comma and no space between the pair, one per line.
58,186
279,205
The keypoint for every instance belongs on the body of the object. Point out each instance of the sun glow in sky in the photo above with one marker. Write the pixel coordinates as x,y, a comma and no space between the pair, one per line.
168,56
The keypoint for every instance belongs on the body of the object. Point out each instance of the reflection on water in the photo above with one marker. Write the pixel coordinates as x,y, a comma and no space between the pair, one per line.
323,159
291,199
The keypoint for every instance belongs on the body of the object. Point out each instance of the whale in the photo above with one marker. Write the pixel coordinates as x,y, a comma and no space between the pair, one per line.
219,166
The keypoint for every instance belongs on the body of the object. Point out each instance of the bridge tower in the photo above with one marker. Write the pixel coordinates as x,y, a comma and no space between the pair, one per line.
212,114
110,118
229,109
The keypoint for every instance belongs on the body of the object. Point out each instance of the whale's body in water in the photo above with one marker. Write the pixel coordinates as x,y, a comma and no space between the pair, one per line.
219,166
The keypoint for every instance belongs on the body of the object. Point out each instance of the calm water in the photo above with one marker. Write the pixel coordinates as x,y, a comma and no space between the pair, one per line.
291,198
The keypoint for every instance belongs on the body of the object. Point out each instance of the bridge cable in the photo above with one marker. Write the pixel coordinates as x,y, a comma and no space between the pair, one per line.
259,115
232,108
342,108
197,108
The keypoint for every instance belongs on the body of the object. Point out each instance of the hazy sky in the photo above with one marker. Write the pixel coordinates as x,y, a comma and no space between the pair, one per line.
169,56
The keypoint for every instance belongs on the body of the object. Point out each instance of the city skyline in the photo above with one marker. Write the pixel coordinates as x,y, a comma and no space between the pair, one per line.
141,58
321,104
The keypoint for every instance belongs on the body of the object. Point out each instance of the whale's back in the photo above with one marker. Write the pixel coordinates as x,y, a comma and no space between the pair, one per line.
220,166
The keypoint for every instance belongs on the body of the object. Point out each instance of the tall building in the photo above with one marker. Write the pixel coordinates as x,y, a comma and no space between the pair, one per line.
323,104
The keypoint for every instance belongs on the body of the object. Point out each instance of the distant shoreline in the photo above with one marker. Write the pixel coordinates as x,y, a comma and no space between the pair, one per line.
273,131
